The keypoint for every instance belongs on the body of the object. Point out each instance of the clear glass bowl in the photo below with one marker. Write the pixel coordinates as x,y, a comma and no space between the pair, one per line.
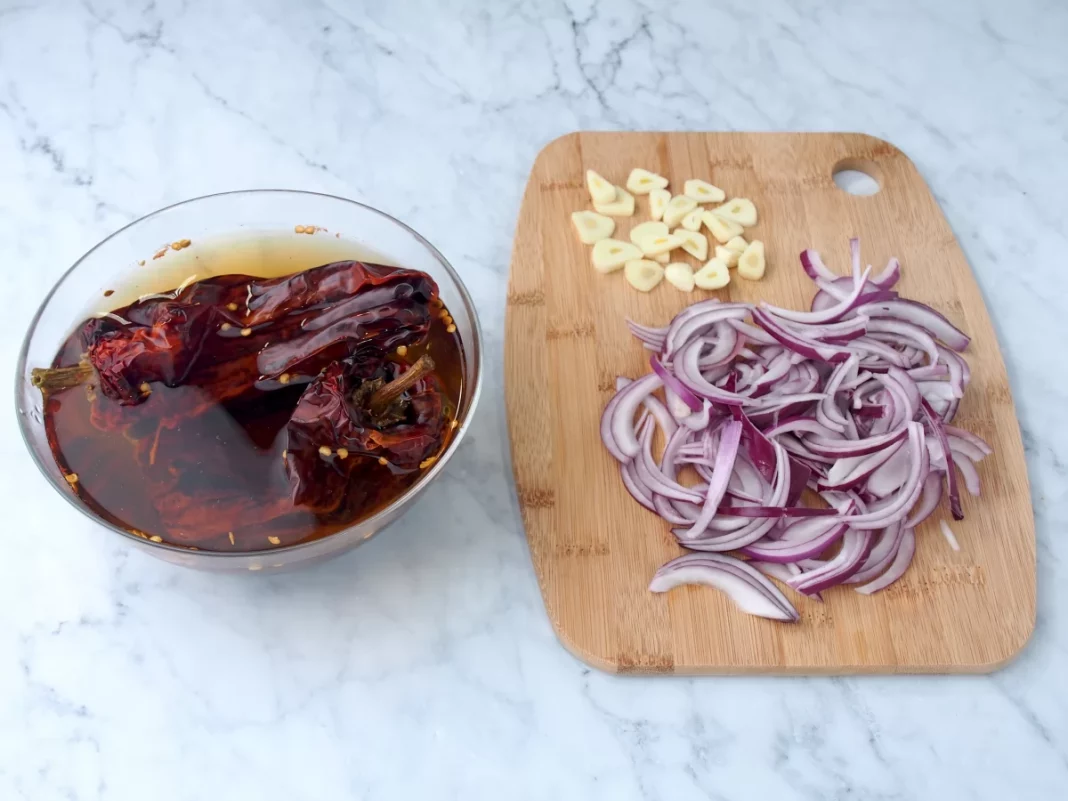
124,262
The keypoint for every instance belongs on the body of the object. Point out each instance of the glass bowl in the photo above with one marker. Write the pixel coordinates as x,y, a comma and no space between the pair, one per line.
137,260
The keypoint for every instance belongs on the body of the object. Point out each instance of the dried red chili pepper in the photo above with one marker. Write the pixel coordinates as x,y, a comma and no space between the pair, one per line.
233,352
336,426
234,334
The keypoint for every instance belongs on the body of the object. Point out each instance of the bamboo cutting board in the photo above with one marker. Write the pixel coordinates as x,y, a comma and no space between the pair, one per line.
595,549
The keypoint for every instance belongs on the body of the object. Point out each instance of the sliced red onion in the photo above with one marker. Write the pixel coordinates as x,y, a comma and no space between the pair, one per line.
968,473
721,474
882,554
809,348
830,315
856,545
932,495
889,276
820,534
924,316
897,569
700,317
635,488
676,386
967,436
890,475
849,471
760,414
938,429
837,448
775,511
814,266
620,423
747,588
947,532
651,337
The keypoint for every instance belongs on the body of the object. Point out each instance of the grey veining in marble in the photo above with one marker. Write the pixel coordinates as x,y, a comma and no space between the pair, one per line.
423,666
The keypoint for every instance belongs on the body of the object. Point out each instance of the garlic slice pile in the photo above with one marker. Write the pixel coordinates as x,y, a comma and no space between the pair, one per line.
677,222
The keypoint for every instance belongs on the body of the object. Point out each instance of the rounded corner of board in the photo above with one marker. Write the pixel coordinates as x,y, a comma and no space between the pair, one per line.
583,654
548,150
876,147
1013,648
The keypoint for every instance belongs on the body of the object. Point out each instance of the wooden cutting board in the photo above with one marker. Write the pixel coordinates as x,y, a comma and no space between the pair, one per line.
595,549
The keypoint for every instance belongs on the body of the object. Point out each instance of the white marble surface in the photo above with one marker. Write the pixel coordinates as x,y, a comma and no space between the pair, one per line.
423,666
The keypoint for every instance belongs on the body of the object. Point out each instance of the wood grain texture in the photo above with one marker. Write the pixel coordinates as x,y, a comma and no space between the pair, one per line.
594,549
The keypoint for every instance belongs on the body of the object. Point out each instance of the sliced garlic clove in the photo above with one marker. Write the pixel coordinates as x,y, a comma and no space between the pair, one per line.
643,274
601,189
714,275
694,243
726,255
608,255
739,210
658,200
642,182
692,221
677,208
655,245
680,275
702,191
721,229
737,243
642,230
751,263
621,206
592,227
662,258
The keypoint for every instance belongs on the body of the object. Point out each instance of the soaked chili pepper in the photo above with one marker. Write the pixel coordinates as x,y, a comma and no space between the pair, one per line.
273,409
336,426
236,334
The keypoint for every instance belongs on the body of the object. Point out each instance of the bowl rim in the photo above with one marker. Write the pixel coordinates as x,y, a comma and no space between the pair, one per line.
472,351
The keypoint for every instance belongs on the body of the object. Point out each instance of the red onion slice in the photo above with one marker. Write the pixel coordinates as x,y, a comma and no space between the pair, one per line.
897,569
746,587
924,316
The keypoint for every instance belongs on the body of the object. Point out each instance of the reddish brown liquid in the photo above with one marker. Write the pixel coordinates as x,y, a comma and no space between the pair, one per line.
233,451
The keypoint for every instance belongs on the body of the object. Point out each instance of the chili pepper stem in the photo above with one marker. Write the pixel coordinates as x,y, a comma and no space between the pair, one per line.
388,393
53,379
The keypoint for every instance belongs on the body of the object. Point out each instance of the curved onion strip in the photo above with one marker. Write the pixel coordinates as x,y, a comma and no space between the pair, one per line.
856,545
721,474
897,569
924,316
882,554
749,590
681,390
635,488
822,534
827,315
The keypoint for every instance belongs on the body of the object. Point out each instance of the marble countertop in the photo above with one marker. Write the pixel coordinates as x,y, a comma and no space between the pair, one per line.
423,665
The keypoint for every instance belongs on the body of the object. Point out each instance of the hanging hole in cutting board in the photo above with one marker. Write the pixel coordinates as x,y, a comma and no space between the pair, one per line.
857,177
